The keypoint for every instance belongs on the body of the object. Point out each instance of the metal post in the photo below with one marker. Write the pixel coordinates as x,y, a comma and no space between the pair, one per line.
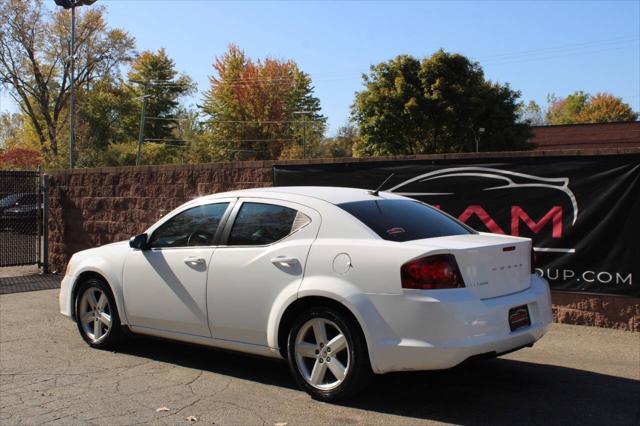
45,224
304,139
39,224
476,136
141,132
72,110
304,134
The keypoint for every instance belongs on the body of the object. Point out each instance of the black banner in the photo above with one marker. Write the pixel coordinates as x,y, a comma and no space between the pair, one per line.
582,212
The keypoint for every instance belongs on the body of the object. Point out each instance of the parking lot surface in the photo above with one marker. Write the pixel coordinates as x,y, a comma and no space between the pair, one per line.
576,375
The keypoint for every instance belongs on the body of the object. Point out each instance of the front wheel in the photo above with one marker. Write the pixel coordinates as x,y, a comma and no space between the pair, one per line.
97,315
328,355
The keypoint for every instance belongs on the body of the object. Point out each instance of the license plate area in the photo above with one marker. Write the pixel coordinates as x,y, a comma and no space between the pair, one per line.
519,317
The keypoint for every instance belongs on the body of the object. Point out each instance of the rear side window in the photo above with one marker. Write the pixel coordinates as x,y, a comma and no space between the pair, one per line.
260,224
404,220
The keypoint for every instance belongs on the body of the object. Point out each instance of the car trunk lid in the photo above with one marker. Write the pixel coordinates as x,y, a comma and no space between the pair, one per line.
491,265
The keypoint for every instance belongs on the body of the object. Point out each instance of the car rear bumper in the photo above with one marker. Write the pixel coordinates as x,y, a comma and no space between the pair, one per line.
430,331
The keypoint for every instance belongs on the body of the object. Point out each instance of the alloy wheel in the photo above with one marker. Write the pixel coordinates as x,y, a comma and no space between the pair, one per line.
95,314
322,354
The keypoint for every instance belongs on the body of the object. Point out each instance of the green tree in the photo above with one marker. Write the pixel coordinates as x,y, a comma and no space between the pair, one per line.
566,110
252,109
108,113
343,144
435,105
531,113
34,47
165,86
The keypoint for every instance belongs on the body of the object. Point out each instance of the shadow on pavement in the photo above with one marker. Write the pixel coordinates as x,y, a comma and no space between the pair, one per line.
497,391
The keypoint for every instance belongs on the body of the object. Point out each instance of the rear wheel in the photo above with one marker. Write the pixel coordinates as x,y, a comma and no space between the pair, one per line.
327,354
97,316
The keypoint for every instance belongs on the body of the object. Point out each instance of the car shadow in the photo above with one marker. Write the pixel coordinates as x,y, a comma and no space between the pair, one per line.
493,391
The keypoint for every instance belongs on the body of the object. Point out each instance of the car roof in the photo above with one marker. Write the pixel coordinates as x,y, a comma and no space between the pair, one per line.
330,194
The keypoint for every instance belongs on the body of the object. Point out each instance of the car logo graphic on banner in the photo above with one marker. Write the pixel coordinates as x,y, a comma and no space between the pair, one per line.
500,201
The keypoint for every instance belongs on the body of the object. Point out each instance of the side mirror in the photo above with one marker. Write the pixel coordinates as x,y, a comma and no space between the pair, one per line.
139,242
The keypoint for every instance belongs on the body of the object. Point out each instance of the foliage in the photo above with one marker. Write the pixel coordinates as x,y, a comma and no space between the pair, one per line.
343,144
124,154
580,107
108,113
34,47
566,110
531,113
435,105
164,88
606,108
20,158
250,109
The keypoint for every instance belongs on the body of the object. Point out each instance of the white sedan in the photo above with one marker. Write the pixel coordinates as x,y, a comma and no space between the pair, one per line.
340,282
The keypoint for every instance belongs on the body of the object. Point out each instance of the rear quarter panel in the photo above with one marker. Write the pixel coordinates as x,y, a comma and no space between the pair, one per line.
375,270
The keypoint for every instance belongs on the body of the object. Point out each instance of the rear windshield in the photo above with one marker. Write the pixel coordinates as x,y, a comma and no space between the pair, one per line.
404,220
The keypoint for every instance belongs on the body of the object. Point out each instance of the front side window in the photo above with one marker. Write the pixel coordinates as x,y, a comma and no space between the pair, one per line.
404,220
259,224
191,228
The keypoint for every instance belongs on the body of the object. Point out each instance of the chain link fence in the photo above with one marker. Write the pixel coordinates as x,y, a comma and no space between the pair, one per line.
21,218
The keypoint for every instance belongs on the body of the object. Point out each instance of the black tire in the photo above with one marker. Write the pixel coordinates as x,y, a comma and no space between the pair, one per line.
358,371
114,335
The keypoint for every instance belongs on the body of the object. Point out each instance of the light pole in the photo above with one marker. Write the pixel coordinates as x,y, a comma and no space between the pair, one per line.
142,114
477,136
72,4
304,131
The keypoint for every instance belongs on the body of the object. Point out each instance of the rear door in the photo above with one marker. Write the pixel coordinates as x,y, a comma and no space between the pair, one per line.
264,250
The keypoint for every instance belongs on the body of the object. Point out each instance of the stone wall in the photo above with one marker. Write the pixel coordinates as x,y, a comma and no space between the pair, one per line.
91,207
596,310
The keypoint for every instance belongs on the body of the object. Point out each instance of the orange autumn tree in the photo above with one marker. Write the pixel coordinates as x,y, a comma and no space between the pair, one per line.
580,107
253,109
606,108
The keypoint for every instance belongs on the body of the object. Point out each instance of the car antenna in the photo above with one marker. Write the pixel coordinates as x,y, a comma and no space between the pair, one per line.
376,191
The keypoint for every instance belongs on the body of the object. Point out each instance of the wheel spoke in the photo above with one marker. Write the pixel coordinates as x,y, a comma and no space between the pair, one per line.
337,344
97,329
91,298
102,302
318,373
336,368
105,319
87,318
307,350
319,331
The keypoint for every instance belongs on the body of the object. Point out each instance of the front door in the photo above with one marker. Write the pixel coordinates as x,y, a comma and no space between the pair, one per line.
165,286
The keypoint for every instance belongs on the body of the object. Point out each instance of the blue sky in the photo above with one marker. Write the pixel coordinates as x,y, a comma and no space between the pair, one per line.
537,47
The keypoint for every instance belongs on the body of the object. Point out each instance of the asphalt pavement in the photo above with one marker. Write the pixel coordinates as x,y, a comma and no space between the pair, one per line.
574,375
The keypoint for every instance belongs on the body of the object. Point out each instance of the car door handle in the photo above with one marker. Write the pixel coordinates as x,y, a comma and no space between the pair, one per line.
285,261
192,260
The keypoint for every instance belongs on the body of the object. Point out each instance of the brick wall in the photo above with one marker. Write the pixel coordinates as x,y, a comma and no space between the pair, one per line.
587,136
596,310
91,207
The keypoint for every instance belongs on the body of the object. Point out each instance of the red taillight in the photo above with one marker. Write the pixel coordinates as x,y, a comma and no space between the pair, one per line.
432,272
